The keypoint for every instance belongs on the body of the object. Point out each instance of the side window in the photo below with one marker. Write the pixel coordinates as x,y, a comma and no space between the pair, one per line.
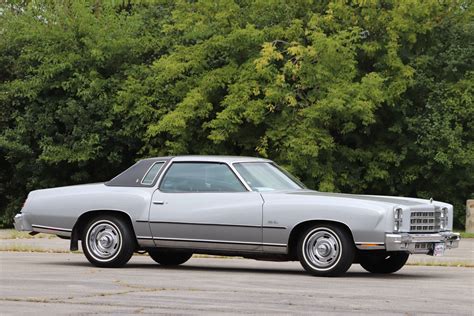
200,177
152,172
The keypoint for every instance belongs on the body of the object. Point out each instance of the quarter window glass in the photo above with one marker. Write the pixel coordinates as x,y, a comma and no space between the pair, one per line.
200,177
151,174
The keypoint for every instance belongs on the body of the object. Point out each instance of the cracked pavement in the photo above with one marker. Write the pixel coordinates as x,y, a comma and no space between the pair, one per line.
57,283
464,255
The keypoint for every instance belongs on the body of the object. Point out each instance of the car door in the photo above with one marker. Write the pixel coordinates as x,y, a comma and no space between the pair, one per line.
203,205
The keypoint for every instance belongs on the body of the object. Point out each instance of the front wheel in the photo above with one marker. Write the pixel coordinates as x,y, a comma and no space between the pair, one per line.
326,250
383,263
169,258
108,242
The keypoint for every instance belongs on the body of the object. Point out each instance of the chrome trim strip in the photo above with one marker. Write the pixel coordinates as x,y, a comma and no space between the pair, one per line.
156,175
208,241
372,243
52,228
252,160
145,237
162,173
214,241
237,174
274,245
209,224
165,171
275,227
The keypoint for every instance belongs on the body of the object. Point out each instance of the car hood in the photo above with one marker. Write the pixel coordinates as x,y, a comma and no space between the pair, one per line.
380,200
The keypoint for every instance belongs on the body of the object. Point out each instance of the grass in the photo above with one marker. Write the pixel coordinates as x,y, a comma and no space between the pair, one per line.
466,235
457,264
27,248
14,234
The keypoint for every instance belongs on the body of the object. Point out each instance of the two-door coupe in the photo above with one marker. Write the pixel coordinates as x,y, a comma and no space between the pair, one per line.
173,207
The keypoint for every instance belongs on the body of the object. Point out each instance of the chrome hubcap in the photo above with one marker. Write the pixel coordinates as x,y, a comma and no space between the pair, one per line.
104,240
322,248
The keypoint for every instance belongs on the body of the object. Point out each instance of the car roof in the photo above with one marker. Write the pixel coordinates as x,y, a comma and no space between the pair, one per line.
214,158
132,176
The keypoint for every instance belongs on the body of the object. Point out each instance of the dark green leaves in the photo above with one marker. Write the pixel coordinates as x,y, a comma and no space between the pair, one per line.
362,97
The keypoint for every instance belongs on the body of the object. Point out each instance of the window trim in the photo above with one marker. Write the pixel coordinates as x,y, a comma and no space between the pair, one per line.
156,175
229,166
130,177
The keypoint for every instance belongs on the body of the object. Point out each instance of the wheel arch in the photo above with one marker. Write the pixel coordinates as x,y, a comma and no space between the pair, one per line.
85,217
299,228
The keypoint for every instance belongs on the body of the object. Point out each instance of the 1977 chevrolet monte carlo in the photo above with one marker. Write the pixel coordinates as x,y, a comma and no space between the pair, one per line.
173,207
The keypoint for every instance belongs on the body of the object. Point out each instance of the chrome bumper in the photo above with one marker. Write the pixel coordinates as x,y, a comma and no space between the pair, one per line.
420,243
19,222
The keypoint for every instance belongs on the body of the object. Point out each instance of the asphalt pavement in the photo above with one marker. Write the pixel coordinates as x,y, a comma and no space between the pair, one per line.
64,283
464,255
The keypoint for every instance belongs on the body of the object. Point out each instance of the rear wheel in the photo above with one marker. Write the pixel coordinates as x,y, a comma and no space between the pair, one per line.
169,257
384,263
326,250
108,242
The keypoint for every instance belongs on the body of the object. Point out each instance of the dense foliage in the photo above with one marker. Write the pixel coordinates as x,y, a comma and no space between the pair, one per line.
353,96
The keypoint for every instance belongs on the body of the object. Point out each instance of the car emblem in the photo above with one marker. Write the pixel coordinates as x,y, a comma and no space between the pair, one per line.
431,201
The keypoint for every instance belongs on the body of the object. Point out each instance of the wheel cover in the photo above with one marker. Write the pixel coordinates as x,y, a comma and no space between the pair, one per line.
104,240
322,248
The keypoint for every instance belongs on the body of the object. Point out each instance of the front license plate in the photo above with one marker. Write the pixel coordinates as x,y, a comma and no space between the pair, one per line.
438,249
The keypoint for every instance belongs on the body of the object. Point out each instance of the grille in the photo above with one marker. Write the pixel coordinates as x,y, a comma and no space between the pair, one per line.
427,220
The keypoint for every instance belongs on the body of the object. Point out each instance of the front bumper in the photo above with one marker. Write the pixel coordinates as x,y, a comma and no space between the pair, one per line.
420,243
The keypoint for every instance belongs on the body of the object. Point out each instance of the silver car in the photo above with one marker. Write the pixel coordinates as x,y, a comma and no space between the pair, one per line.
173,207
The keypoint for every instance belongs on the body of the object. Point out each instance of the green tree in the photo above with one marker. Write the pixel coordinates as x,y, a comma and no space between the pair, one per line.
359,96
61,65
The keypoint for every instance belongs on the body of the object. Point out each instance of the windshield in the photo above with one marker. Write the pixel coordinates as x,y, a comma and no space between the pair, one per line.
264,176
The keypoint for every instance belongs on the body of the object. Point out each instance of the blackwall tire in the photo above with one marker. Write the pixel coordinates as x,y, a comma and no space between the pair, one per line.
108,241
169,258
326,250
383,263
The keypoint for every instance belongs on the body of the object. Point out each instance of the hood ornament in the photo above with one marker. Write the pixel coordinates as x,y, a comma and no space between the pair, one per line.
431,200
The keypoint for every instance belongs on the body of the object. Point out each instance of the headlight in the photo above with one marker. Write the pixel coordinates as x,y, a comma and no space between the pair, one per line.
397,219
443,220
396,226
398,213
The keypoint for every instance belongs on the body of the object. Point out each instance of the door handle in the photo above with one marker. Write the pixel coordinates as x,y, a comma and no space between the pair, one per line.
159,202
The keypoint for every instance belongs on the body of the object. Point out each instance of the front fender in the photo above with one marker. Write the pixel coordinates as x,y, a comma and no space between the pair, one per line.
367,221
